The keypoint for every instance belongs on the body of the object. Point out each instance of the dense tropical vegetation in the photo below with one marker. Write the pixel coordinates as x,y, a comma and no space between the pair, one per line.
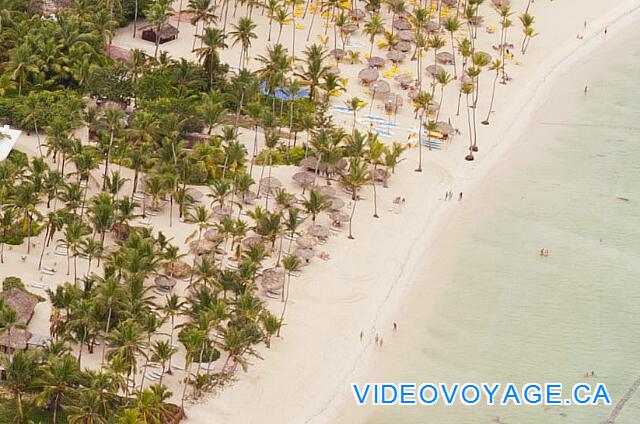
121,140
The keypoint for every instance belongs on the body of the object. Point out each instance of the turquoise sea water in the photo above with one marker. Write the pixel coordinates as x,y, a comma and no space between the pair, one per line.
488,308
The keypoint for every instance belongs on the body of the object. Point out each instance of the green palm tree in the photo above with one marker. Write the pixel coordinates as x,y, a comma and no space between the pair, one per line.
452,25
20,370
57,382
113,121
496,66
291,264
213,40
87,409
162,353
373,27
420,104
315,204
157,14
127,342
354,104
72,241
111,296
243,33
354,178
23,65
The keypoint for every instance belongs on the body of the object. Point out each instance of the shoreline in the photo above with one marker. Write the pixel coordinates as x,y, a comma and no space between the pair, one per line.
466,179
617,21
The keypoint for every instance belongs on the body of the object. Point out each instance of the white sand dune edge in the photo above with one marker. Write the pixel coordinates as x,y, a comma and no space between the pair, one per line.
305,376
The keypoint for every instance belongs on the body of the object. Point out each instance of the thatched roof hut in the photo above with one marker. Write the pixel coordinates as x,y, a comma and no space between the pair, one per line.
167,33
19,339
23,302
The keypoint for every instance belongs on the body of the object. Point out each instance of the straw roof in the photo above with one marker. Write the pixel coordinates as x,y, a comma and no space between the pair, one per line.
349,28
212,235
205,246
306,241
368,75
165,282
304,178
23,302
405,35
305,254
336,204
166,30
396,56
19,339
309,163
444,58
222,210
252,241
434,70
333,70
432,26
338,53
327,191
376,61
177,269
357,14
402,46
405,79
319,231
401,24
195,193
268,183
339,216
380,87
445,128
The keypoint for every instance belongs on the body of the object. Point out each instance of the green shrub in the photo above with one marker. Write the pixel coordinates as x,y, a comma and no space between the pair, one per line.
13,282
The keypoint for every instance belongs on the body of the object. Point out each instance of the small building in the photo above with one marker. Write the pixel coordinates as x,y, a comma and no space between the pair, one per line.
24,304
8,139
167,33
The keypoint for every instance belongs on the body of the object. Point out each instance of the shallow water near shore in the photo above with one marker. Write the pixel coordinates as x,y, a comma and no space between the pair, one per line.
486,307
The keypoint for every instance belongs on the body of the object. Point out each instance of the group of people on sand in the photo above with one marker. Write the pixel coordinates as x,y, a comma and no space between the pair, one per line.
378,340
449,195
544,252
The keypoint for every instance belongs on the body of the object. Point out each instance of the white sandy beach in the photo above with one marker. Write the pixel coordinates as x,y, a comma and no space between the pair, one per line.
304,376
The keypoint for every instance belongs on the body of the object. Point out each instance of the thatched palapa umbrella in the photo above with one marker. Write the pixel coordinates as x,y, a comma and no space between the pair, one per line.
376,61
434,70
336,204
338,54
380,88
306,241
405,35
402,46
165,283
304,254
319,231
304,178
396,56
444,58
368,75
401,25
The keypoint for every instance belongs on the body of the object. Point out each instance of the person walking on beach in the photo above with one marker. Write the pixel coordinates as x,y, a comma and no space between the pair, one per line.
586,88
460,196
381,341
377,339
361,335
395,327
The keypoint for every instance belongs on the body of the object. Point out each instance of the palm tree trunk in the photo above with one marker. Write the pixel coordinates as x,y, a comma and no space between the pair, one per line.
493,93
419,169
135,19
353,210
286,301
106,331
